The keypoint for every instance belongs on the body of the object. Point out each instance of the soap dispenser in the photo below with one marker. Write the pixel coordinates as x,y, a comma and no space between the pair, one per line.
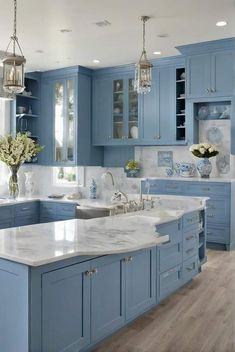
92,189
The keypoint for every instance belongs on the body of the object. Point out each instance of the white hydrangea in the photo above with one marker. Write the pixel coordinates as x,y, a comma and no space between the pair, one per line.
202,150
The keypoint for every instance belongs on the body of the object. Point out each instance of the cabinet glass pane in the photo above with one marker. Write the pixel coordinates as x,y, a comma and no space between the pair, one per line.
118,109
59,120
70,128
132,110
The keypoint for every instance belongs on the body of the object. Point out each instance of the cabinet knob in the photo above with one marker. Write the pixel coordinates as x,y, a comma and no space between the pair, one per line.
88,273
207,90
94,271
109,137
213,90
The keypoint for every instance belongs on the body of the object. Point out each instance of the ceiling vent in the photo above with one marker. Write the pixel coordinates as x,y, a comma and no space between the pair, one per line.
104,23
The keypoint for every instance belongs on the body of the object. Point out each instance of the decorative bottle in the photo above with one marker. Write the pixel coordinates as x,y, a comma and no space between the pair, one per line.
93,189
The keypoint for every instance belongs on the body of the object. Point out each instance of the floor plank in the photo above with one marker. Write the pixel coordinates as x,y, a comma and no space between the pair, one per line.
200,317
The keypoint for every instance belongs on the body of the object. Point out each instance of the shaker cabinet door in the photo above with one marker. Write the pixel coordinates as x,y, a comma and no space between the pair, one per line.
198,76
66,309
222,78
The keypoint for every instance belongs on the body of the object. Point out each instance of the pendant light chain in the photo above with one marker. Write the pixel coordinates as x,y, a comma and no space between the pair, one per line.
14,27
144,20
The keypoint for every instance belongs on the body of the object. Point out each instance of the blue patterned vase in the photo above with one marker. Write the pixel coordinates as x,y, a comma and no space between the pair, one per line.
204,167
92,189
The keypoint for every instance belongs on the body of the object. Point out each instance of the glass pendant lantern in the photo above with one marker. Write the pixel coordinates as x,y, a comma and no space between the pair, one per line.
13,65
143,71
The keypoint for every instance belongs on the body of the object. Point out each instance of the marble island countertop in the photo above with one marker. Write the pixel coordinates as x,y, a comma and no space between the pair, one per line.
35,245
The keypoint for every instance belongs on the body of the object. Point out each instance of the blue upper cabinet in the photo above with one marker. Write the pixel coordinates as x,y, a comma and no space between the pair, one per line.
210,68
66,118
115,108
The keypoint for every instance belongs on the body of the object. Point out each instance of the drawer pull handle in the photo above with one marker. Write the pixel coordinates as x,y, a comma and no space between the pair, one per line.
190,237
209,233
88,273
189,268
25,208
190,250
94,271
210,215
205,189
128,259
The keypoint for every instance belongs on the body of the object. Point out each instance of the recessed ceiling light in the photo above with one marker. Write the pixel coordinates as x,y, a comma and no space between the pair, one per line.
221,23
39,51
157,53
65,30
96,61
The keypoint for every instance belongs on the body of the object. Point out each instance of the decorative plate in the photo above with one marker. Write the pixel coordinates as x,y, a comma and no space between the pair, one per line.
223,163
214,135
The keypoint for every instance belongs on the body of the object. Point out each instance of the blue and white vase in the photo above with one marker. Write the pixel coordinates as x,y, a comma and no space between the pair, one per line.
93,189
204,167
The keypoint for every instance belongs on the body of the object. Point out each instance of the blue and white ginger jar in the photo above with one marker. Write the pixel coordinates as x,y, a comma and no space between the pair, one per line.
204,167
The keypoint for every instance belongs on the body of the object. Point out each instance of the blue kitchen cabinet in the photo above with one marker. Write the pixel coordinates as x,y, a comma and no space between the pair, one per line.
66,309
198,81
158,109
209,68
102,111
6,216
210,75
65,126
107,296
55,211
26,213
140,282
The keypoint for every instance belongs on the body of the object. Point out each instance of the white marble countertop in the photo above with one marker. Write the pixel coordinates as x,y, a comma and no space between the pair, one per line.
35,245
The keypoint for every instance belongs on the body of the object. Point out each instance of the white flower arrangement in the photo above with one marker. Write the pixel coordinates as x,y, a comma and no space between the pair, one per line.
14,151
204,150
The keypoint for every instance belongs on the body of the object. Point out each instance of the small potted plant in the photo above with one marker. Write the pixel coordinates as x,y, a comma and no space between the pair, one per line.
204,151
132,168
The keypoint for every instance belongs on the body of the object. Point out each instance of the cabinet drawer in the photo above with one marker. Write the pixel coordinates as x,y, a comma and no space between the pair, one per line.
169,281
190,244
208,189
6,212
26,220
169,256
190,268
47,208
66,210
171,187
218,211
44,218
26,209
218,234
190,219
5,224
172,229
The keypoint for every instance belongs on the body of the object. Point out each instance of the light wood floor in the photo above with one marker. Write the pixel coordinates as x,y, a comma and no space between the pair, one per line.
200,317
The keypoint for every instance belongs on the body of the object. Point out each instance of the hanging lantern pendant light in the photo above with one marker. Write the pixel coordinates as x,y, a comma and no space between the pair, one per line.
143,71
13,65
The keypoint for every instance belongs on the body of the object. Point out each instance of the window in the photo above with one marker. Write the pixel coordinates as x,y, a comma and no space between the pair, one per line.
68,176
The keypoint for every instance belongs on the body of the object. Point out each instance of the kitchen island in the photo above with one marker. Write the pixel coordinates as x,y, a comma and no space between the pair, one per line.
66,285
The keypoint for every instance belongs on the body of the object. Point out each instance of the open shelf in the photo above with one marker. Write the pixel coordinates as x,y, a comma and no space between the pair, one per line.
180,105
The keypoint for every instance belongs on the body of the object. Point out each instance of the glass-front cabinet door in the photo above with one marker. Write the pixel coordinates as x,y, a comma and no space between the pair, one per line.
64,121
125,110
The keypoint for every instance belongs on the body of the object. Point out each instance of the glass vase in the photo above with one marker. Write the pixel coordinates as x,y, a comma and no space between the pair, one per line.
13,185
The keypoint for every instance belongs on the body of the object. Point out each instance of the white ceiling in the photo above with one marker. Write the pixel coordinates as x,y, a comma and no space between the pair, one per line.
39,22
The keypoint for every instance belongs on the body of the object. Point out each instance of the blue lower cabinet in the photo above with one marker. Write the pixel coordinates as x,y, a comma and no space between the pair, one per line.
169,281
56,211
4,224
169,255
140,282
107,296
66,309
26,220
190,268
190,243
218,234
